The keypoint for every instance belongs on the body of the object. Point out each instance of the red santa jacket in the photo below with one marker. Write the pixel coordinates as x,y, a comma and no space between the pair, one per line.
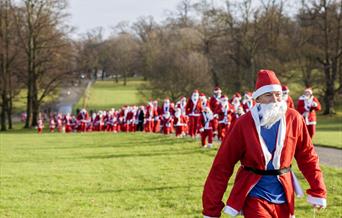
308,108
290,103
247,105
214,104
192,109
207,120
243,144
225,114
167,108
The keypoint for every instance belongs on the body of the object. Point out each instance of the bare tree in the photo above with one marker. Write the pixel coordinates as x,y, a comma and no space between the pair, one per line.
43,37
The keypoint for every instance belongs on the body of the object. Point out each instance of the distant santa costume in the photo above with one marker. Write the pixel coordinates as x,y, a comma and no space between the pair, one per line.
193,110
149,118
52,124
238,108
206,127
157,114
245,144
307,107
83,119
287,97
166,123
247,102
40,125
225,112
179,123
67,121
214,104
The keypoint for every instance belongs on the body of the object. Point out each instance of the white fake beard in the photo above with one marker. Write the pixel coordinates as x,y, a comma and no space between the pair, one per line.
271,113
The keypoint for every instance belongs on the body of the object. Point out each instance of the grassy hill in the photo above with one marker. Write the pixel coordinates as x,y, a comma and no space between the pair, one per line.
108,94
115,175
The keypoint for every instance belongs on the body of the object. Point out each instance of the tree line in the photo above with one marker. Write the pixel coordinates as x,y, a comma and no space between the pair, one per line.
199,45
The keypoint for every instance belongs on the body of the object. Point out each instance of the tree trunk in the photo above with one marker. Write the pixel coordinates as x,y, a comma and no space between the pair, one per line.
3,111
28,103
9,112
35,102
329,100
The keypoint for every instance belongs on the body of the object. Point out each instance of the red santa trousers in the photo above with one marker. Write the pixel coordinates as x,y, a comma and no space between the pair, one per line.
193,125
222,130
167,130
215,126
257,207
40,130
156,126
311,129
149,126
179,130
207,133
68,128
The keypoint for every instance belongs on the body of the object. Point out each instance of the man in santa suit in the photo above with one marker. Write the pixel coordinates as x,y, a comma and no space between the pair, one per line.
224,112
180,123
307,107
206,127
204,101
167,107
166,123
265,141
130,119
182,104
52,123
40,124
238,108
214,104
110,121
83,119
247,102
98,122
193,110
149,118
286,97
67,123
157,113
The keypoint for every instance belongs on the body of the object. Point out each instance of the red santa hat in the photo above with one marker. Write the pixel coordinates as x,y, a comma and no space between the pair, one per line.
267,81
217,90
308,90
224,98
248,95
285,89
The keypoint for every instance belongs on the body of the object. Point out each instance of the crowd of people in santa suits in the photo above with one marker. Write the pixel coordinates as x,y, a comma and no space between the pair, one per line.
208,117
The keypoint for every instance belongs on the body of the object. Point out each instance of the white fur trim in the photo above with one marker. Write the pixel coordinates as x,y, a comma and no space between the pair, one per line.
317,201
267,154
279,143
209,217
230,211
265,89
296,186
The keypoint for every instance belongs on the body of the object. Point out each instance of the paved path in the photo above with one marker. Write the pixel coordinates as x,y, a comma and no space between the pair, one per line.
330,156
70,96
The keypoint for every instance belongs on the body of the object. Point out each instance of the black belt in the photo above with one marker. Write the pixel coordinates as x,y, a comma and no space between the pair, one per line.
269,172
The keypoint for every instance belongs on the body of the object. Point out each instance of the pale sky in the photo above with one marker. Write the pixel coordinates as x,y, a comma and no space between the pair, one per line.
88,14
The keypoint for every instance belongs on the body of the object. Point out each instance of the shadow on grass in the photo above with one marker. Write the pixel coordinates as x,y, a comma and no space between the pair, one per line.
150,142
163,188
151,154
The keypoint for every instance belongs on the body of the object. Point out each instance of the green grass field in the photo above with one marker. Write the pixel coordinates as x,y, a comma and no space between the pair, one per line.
329,131
123,175
115,175
108,94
